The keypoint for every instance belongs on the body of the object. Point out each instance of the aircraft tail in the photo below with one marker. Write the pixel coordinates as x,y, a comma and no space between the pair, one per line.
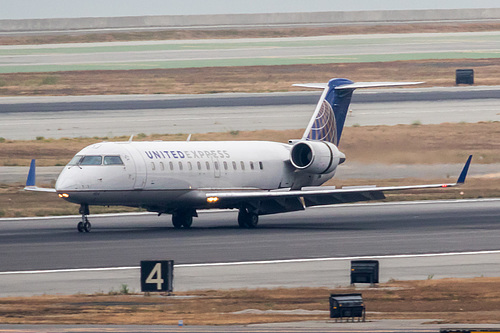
329,116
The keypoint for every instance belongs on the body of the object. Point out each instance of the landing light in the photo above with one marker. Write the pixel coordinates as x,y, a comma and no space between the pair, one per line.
212,199
63,195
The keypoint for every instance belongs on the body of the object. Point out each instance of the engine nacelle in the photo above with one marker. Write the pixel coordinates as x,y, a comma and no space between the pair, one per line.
317,157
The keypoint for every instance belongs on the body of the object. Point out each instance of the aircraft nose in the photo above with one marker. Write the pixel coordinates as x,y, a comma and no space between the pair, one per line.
64,183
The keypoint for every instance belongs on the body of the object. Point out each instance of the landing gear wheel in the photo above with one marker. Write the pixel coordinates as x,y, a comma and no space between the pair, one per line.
188,221
252,221
87,226
176,221
247,219
80,226
241,222
182,220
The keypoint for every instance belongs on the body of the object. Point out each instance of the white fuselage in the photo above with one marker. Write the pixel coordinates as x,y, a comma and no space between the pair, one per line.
166,175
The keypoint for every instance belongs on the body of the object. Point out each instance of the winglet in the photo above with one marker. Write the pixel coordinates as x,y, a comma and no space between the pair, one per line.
31,180
463,174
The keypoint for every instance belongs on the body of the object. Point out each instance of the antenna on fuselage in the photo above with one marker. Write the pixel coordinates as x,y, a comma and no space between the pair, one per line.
189,138
131,137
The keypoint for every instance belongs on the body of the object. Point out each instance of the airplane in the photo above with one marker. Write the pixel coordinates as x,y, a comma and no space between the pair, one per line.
255,177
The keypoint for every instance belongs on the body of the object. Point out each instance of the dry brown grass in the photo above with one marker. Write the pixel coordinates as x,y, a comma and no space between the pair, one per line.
447,301
184,34
246,79
404,144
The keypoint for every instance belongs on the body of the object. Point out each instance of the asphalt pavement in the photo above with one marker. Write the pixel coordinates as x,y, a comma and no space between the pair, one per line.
412,240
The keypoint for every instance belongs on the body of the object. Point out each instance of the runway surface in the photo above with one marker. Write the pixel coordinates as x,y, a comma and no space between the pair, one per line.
338,231
247,52
56,117
407,238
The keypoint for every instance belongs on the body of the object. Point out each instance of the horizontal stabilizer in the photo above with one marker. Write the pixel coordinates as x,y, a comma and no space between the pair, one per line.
357,85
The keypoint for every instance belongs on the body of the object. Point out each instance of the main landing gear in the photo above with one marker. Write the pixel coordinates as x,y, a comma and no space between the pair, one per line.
247,219
183,219
84,224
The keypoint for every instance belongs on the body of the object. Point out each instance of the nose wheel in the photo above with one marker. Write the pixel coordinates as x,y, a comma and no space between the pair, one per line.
84,225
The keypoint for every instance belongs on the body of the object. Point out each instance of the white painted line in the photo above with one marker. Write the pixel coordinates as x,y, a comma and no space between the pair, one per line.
70,270
264,262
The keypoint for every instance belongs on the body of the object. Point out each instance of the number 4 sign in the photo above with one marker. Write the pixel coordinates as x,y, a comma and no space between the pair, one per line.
157,276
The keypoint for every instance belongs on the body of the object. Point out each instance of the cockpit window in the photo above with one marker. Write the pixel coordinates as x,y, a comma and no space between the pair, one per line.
75,160
113,160
91,160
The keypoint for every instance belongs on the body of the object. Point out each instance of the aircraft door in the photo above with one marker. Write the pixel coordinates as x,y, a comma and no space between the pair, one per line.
140,174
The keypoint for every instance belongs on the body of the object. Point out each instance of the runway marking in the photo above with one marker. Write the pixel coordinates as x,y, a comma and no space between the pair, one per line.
263,262
232,211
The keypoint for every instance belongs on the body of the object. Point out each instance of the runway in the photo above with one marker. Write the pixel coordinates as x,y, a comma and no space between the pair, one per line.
343,231
56,117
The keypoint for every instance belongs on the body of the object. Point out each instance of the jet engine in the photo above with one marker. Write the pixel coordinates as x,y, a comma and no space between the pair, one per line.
318,157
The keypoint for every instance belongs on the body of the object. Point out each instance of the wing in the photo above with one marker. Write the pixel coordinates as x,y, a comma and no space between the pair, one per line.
275,201
31,181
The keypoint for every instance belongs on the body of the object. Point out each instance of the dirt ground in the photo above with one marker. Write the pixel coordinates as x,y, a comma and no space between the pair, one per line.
247,79
440,301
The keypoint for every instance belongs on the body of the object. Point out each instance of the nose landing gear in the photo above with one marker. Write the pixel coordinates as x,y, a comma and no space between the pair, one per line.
84,224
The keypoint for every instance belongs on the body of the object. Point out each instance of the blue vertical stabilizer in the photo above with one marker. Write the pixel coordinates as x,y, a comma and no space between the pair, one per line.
329,117
331,111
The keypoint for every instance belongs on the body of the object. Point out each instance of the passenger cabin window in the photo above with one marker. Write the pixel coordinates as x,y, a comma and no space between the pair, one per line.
180,165
261,166
225,165
208,165
242,165
199,165
113,160
171,165
190,166
91,160
234,165
216,165
162,166
251,165
153,166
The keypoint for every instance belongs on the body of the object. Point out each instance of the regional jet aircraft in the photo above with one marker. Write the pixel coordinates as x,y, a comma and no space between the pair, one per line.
255,177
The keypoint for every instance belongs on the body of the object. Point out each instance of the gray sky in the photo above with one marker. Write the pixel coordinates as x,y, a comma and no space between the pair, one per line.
25,9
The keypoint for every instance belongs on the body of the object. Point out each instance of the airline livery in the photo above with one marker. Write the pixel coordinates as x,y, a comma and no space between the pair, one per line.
255,177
